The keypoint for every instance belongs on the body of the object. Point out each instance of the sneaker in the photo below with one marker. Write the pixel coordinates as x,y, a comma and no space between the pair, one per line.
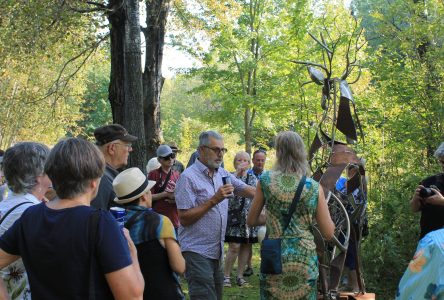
227,281
248,272
241,282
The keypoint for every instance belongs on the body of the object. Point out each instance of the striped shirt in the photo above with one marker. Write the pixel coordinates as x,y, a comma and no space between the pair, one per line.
195,187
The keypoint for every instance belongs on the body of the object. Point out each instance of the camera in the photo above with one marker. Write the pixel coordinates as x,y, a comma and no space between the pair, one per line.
426,192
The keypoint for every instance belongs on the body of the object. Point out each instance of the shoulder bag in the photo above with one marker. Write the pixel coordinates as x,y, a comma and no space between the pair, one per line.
271,259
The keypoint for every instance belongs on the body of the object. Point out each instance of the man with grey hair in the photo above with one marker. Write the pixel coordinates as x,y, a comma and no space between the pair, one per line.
115,143
201,198
428,198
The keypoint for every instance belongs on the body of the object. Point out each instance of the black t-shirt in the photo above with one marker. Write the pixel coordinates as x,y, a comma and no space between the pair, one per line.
432,216
54,246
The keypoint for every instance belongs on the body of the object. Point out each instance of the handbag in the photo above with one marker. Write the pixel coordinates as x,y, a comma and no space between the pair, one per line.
271,258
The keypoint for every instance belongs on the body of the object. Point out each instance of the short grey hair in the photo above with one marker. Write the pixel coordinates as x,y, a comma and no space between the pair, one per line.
204,137
71,166
22,163
291,156
440,151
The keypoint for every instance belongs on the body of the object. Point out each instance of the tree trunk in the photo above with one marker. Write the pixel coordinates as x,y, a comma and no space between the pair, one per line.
157,13
125,91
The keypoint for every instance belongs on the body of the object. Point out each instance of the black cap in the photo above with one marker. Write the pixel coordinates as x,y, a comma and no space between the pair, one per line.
109,133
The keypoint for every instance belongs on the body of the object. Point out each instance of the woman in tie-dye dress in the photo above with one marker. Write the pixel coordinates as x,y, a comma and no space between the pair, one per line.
276,191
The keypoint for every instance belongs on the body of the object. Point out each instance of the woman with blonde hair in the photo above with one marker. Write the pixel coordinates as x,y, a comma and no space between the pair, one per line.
239,235
276,189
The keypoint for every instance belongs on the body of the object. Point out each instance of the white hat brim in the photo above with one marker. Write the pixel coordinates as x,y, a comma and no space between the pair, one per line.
151,183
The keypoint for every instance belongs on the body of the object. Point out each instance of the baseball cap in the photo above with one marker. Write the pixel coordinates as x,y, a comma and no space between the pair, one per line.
109,133
164,151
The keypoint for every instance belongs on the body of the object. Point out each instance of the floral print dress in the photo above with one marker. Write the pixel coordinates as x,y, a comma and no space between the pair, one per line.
299,259
242,233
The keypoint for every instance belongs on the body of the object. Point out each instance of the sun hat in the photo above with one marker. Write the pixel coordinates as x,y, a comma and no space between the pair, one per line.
130,185
152,164
164,151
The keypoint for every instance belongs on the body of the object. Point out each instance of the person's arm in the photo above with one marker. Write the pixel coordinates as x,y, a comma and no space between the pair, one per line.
255,218
190,216
163,195
241,188
127,283
6,259
175,258
436,199
415,202
3,291
248,192
323,218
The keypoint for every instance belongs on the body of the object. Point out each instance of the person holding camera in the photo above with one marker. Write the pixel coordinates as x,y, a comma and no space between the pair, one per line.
428,198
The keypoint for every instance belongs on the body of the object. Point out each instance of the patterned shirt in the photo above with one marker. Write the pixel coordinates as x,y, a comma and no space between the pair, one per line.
14,275
149,226
195,187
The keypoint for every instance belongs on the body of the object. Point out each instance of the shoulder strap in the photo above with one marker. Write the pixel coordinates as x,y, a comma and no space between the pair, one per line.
10,211
166,180
292,208
93,224
130,222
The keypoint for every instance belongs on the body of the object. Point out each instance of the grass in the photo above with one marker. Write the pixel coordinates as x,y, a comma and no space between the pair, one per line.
236,292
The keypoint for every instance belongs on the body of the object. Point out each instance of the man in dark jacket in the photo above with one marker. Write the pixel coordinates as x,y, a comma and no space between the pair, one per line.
115,143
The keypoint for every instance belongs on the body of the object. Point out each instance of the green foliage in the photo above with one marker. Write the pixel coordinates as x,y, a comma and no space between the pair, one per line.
95,109
40,82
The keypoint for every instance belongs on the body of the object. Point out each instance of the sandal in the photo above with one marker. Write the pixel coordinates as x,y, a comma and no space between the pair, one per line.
227,281
248,272
241,282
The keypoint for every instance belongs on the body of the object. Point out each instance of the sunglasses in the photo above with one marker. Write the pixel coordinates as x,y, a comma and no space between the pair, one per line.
171,156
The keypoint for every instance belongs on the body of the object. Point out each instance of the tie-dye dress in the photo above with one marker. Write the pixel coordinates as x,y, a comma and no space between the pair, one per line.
299,259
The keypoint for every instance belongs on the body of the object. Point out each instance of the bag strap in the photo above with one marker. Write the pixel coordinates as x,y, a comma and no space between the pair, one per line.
297,196
93,224
12,209
162,188
130,222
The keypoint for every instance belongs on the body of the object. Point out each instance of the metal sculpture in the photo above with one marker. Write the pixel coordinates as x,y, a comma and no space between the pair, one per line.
330,156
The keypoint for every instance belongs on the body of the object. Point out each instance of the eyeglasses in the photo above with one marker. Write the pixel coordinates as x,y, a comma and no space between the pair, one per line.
217,150
129,146
171,156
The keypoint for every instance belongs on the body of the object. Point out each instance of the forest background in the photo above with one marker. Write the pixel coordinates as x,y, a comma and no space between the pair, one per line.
55,75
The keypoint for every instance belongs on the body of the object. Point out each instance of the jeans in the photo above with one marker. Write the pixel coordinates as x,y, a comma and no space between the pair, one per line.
204,276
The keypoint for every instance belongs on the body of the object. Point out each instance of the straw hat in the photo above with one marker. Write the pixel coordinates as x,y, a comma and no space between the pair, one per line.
130,184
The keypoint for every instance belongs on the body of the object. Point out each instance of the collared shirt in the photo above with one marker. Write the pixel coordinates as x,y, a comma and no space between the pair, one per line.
195,187
251,172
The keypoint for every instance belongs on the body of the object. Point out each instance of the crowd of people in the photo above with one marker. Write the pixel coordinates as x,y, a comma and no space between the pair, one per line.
59,240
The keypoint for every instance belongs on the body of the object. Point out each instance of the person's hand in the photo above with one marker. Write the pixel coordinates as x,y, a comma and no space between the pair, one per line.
436,199
417,197
169,196
242,167
223,192
131,246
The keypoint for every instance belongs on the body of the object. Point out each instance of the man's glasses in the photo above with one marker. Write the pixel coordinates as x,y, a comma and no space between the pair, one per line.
217,150
129,146
168,157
